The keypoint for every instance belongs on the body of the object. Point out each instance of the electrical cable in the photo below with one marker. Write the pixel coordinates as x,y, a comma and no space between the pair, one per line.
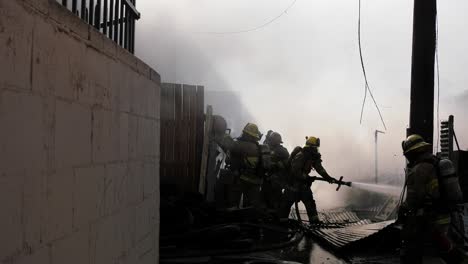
366,86
254,28
403,191
362,62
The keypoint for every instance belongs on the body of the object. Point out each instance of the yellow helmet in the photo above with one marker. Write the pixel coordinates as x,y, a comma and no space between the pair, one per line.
312,142
252,130
412,143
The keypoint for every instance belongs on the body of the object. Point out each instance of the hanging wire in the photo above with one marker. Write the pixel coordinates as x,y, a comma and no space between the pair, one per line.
362,63
254,28
366,86
438,83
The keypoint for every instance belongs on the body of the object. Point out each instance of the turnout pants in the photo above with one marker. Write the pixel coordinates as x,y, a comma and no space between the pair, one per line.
252,194
304,194
272,195
425,242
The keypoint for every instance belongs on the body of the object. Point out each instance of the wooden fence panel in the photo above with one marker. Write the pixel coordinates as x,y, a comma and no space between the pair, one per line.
178,129
184,149
182,116
200,127
170,130
167,118
163,133
192,96
164,129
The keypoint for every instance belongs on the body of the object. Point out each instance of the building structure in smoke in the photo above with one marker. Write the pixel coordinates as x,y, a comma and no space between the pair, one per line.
228,104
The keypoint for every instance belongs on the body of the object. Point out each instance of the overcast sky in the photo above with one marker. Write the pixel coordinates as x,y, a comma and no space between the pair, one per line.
301,74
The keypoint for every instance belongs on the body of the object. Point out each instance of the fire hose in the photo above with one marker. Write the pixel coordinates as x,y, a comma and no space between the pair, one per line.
339,182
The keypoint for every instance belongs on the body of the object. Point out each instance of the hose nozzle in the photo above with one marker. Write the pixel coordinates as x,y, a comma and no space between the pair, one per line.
341,182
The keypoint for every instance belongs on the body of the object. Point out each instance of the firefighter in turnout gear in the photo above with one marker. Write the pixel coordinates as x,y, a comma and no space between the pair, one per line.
275,179
247,161
432,192
302,162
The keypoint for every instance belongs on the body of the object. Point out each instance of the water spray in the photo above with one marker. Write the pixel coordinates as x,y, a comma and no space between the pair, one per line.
378,188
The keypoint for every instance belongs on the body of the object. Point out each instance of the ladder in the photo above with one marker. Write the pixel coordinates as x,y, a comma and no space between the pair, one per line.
446,138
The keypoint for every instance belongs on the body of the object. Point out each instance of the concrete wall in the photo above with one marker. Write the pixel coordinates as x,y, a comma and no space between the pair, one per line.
79,142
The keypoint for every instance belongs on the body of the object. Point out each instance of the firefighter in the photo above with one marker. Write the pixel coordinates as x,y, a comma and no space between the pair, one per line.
247,161
302,161
432,192
275,180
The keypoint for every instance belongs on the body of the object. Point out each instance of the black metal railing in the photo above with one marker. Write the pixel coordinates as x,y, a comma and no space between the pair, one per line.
113,18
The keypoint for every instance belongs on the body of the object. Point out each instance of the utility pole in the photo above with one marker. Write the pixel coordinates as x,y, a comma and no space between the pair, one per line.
376,158
422,69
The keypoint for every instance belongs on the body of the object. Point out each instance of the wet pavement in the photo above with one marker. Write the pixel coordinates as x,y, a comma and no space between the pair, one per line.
306,251
310,252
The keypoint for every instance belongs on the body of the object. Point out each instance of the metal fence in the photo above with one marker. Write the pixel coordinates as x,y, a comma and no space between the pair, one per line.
113,18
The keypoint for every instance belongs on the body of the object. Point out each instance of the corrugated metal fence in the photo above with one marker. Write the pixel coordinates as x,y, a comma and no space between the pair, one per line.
182,130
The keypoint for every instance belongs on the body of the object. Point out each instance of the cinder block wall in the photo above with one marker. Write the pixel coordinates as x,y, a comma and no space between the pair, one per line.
79,142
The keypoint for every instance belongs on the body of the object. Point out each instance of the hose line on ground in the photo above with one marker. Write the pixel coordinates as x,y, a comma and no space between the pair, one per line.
294,240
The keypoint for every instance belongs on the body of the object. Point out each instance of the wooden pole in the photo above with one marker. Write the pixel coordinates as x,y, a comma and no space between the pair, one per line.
422,69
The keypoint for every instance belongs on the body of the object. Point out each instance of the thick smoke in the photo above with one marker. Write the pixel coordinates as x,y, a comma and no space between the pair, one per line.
301,74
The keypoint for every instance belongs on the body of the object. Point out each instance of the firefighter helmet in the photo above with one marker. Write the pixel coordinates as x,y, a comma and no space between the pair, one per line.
312,142
275,139
219,125
252,130
412,143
